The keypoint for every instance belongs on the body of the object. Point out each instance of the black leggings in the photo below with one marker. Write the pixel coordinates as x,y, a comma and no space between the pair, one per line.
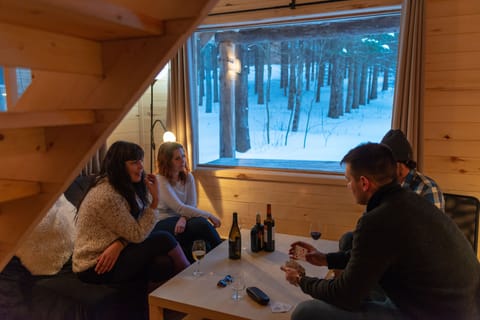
197,228
137,261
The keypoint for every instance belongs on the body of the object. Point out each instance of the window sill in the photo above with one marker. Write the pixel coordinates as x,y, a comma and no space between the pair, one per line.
259,174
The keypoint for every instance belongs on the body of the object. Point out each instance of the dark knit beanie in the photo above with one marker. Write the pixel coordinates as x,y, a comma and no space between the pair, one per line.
398,143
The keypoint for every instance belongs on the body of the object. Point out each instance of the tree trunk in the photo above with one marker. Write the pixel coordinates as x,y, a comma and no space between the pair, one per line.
350,85
373,91
201,75
215,72
227,115
208,78
385,77
335,109
363,84
284,67
291,84
356,84
242,136
259,71
307,54
298,93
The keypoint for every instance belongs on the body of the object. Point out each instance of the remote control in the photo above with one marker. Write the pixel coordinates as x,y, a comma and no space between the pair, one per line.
258,295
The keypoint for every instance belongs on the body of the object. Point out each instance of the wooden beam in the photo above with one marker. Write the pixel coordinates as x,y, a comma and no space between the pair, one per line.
71,91
10,120
67,153
11,88
36,49
324,30
246,12
163,10
88,19
21,141
12,190
116,12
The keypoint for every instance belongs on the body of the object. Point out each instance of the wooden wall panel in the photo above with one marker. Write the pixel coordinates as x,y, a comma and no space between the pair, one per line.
452,95
135,127
294,204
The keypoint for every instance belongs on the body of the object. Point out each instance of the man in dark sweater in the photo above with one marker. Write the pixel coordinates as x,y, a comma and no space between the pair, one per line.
418,256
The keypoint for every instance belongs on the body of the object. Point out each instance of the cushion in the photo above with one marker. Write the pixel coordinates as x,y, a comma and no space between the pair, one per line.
50,245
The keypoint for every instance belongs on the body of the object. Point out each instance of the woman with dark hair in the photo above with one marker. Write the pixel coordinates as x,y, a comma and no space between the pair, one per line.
179,214
115,242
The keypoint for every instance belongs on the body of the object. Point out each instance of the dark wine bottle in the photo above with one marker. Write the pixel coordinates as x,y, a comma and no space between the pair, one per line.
256,235
269,231
234,240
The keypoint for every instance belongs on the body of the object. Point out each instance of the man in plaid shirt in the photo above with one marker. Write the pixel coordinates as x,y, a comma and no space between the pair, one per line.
407,174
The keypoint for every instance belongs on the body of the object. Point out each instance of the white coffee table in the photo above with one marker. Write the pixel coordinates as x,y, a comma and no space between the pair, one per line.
201,298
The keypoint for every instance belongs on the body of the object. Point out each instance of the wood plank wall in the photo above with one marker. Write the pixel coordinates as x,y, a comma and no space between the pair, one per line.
452,95
135,127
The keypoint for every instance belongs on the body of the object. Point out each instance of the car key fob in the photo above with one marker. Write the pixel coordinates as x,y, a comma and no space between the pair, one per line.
258,295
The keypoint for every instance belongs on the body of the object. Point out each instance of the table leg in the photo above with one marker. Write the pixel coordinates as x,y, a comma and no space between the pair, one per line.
156,313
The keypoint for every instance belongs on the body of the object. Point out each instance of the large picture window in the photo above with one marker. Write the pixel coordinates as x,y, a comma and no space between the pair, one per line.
294,96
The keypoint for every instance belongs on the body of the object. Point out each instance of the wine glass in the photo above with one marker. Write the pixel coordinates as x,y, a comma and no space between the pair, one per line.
238,284
198,252
315,231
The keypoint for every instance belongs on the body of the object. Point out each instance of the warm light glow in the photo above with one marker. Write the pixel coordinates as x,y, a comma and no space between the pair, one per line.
168,136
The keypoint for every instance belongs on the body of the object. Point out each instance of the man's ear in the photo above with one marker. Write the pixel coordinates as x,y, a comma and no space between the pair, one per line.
365,183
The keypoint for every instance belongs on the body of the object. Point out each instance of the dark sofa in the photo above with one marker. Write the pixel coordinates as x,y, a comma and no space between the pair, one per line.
62,296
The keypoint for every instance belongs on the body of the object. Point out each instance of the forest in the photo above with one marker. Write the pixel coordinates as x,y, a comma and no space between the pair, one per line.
348,56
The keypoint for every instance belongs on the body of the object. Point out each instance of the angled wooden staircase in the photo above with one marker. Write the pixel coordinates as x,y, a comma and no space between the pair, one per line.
90,61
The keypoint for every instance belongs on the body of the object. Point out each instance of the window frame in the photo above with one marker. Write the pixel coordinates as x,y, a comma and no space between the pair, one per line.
235,167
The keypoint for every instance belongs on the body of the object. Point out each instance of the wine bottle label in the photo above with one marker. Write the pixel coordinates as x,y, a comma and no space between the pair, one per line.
235,247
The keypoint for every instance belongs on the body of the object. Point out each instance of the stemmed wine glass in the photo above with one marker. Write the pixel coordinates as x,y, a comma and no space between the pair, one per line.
198,252
315,231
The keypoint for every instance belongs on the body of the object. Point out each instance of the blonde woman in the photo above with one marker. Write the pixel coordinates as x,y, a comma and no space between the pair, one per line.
177,204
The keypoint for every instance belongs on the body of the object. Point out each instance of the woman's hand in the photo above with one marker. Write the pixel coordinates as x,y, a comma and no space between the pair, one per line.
109,256
153,187
180,226
215,221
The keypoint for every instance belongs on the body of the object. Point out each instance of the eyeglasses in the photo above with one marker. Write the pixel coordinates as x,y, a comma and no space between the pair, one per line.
225,281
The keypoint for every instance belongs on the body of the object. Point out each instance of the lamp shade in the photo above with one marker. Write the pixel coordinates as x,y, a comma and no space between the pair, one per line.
168,136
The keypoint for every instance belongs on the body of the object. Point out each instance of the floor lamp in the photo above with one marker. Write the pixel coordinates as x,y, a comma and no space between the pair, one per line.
167,135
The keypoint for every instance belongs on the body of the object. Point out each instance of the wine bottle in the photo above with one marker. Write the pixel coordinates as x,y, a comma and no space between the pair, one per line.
234,240
256,235
269,231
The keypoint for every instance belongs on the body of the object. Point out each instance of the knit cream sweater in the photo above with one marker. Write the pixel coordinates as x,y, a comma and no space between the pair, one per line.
103,217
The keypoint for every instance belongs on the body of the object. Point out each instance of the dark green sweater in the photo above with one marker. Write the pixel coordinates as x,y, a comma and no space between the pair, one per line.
415,252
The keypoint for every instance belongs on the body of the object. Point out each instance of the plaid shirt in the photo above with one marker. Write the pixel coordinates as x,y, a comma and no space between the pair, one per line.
425,187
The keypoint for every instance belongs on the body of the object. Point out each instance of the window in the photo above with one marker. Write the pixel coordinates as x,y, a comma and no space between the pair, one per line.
23,79
294,96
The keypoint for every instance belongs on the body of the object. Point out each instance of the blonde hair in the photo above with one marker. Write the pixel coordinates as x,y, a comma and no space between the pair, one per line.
164,161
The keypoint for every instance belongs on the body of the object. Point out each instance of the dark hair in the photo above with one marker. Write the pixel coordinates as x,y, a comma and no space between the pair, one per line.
372,160
113,167
164,161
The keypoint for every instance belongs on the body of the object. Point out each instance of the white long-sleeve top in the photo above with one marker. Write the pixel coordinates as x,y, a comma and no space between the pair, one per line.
179,199
103,217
